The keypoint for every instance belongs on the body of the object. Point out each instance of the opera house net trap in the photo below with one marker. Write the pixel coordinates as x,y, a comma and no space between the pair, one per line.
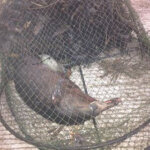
75,74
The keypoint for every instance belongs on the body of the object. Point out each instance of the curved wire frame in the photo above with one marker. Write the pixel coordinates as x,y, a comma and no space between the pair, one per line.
49,108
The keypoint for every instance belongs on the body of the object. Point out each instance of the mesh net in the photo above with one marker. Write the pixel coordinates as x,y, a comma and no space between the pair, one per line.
61,60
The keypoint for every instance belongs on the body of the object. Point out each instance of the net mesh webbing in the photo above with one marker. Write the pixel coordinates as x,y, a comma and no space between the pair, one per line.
46,45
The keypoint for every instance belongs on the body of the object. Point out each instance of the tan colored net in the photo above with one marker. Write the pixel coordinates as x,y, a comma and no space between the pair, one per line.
106,48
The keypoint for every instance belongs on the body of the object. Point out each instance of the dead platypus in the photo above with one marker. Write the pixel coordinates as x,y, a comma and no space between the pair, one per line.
53,95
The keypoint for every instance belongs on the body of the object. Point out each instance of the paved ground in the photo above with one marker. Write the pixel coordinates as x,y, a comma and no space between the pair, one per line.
143,9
